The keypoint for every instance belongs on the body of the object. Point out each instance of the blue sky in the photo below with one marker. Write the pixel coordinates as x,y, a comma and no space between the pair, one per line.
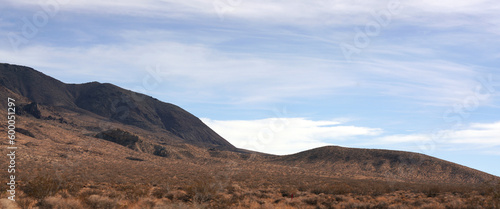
285,76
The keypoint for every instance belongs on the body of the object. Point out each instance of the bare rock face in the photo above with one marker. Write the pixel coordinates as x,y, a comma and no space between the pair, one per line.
31,109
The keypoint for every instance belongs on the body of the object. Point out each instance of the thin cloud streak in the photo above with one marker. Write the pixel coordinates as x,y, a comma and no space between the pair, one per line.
299,13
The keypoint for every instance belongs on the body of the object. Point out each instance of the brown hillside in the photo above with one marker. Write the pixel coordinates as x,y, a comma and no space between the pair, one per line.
384,164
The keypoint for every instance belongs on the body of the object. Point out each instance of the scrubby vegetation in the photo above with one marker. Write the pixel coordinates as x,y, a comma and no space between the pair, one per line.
48,191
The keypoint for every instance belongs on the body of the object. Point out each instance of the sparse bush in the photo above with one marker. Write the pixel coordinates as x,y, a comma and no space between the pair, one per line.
133,191
288,192
202,190
311,201
87,192
160,192
381,205
26,202
59,203
232,188
100,202
182,195
146,203
42,186
331,189
433,191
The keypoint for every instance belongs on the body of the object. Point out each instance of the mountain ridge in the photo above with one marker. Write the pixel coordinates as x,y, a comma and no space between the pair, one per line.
167,125
110,101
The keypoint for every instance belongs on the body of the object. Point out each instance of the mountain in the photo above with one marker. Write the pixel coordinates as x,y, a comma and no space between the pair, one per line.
384,164
101,132
111,102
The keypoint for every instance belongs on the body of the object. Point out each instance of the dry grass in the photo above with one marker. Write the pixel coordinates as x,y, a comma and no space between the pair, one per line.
207,193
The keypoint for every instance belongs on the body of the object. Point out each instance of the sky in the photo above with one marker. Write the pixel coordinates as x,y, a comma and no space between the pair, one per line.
282,76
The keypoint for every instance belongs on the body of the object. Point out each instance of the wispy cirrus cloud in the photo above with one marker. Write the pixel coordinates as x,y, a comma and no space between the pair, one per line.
303,13
253,78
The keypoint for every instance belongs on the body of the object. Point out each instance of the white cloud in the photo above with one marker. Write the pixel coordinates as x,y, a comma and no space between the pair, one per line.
286,135
291,135
474,136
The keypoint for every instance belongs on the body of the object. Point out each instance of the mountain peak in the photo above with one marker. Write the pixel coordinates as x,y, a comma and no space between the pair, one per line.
112,102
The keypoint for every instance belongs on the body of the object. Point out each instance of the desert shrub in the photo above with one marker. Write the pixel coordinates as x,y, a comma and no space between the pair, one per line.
311,201
146,204
100,202
381,205
202,190
87,192
59,203
339,198
180,195
233,188
222,203
25,203
303,187
288,192
161,191
133,191
72,187
332,189
432,191
357,205
42,186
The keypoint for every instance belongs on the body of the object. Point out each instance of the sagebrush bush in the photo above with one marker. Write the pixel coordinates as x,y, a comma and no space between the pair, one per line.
96,201
25,203
432,191
288,192
42,186
133,191
161,191
202,190
311,201
60,203
331,189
